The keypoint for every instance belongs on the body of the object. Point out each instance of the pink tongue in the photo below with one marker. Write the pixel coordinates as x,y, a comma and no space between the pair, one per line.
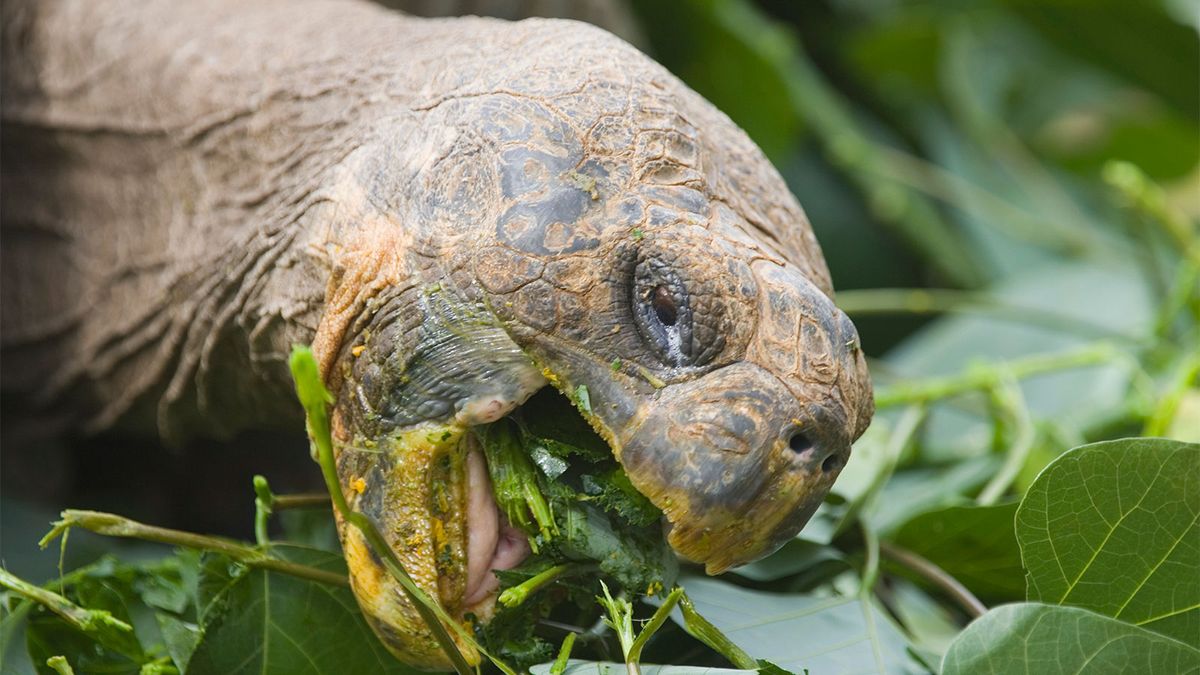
492,543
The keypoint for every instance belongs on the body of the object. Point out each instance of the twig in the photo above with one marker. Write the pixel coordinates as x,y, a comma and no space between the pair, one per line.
922,301
1012,405
936,576
112,525
304,500
984,377
83,619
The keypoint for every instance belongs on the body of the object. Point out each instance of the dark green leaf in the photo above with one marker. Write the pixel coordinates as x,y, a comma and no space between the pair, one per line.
975,544
1112,527
260,621
1035,639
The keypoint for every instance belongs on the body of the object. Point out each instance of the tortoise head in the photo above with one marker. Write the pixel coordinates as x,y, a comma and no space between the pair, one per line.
727,383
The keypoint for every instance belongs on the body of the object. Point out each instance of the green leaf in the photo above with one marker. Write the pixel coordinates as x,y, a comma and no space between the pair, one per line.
577,667
1039,639
261,621
1112,527
975,544
822,634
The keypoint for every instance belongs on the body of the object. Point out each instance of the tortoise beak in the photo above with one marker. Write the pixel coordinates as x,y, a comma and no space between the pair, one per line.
736,462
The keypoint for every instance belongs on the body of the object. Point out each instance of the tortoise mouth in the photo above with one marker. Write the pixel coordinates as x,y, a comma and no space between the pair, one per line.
493,544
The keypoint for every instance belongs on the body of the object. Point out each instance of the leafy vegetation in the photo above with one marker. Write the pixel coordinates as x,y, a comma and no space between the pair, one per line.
1007,196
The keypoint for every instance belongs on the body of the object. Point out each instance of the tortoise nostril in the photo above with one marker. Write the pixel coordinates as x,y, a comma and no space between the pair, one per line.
831,463
799,442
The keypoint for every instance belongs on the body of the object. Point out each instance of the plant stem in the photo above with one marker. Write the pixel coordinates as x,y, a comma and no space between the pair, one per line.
85,620
112,525
302,500
700,628
982,377
903,434
652,626
921,301
1012,405
871,562
1164,413
936,576
564,655
517,594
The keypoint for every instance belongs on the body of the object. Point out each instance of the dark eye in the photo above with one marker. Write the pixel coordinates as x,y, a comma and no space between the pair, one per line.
664,306
662,313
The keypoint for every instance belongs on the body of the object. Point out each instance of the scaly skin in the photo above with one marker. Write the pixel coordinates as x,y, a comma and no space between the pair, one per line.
455,213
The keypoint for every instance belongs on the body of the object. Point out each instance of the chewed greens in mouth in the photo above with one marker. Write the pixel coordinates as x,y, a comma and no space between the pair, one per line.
506,520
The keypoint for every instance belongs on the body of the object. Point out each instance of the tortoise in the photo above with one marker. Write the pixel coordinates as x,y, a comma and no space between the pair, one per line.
455,214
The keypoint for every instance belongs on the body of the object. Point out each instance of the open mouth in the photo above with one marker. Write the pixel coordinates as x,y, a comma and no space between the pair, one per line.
492,542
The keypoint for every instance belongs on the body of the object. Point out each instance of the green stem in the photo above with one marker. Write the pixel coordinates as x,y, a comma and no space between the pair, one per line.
900,438
60,665
1164,413
983,377
699,627
652,626
301,501
263,501
1148,199
564,655
85,620
923,301
870,573
936,576
907,213
517,594
1011,402
112,525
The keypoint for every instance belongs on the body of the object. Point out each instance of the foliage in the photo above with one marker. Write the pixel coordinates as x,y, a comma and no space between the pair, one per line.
1006,195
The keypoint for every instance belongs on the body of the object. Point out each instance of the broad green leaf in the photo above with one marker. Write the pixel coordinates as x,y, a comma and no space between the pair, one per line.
974,544
930,623
928,487
1112,527
14,658
266,622
1036,639
823,634
578,667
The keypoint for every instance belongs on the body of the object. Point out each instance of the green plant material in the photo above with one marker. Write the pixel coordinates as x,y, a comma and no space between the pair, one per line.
840,633
315,399
1180,387
1148,199
60,665
97,624
564,655
515,482
976,545
1112,527
1013,413
934,575
511,597
112,525
703,630
618,617
580,667
261,621
651,627
1035,639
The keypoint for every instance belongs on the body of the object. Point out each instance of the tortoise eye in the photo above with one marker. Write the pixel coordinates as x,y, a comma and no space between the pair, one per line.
664,306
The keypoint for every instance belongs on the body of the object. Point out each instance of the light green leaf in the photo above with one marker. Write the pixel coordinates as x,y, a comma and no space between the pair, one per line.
826,635
577,667
974,544
1112,527
1043,640
264,622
